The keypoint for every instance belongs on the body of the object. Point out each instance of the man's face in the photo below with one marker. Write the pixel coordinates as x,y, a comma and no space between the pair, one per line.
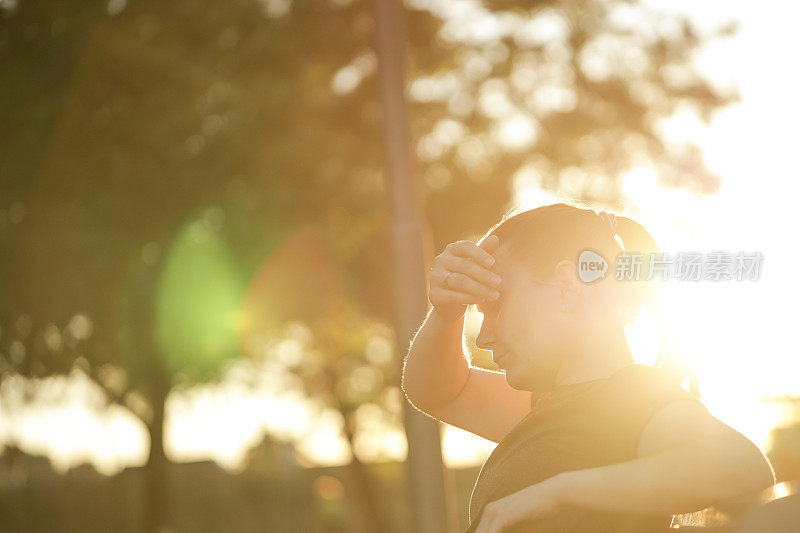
523,328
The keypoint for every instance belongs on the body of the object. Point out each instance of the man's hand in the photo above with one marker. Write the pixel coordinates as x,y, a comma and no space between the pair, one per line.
461,275
531,503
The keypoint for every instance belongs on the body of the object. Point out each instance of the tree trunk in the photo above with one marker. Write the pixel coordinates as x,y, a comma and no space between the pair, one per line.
365,489
156,486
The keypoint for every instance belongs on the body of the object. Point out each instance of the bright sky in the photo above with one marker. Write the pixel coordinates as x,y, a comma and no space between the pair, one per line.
738,332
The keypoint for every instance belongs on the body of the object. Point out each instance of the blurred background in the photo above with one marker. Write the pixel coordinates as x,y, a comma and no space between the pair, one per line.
197,315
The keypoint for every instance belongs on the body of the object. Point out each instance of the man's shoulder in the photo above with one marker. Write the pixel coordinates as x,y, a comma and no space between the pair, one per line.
641,374
647,382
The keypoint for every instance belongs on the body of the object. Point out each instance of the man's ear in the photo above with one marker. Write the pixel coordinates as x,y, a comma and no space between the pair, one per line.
566,278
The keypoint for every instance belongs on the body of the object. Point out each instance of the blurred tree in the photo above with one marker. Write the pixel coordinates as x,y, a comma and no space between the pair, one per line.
347,363
552,94
154,153
144,147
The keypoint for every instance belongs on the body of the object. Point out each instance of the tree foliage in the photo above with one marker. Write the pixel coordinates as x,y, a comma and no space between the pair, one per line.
130,126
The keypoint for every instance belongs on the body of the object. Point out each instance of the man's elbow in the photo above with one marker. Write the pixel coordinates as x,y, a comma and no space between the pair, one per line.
406,387
748,470
759,474
411,391
408,393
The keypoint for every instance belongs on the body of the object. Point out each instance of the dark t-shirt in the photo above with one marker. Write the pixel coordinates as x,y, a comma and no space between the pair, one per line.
577,426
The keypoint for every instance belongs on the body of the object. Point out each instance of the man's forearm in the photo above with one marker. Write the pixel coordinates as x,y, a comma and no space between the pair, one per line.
683,480
436,367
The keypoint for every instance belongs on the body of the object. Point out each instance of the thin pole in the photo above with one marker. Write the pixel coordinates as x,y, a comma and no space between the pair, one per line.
426,472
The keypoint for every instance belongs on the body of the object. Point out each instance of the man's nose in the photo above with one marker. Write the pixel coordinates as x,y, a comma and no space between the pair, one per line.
485,338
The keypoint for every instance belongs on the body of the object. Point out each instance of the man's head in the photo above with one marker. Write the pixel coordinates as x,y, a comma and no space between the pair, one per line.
546,314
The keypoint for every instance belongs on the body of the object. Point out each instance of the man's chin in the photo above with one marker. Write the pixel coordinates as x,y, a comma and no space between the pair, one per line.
512,382
541,379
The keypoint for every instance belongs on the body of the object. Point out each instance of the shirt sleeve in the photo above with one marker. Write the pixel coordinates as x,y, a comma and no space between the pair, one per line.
637,395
